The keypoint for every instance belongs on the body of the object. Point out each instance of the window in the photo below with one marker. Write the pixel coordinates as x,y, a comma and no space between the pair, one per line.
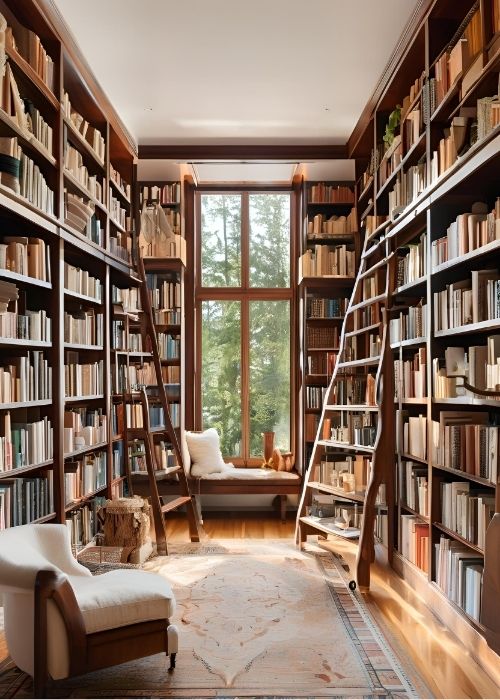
244,311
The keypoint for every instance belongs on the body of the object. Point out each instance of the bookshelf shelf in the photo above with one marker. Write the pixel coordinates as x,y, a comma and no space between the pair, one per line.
24,279
406,508
465,475
360,363
86,449
467,401
329,530
466,258
28,73
359,497
410,343
415,287
78,399
12,473
368,302
78,346
84,499
25,404
346,446
332,282
81,143
352,407
412,458
456,536
360,331
480,327
83,297
6,342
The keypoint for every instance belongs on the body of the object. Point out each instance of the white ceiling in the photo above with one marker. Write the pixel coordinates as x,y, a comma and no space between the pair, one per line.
230,71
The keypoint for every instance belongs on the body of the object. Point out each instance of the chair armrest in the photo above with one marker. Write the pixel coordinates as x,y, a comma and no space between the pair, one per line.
52,585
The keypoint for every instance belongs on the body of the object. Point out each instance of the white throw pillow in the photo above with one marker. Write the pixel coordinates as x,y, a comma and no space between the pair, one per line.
204,450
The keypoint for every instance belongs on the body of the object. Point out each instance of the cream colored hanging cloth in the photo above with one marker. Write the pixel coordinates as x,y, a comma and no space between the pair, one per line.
156,235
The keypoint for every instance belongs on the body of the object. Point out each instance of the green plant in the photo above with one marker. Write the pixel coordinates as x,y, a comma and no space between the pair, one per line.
392,125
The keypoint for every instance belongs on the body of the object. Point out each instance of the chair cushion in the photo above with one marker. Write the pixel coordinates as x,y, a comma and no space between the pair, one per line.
204,450
122,597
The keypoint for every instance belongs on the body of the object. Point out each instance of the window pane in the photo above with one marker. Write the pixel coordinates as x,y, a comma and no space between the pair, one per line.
269,373
221,240
221,376
269,240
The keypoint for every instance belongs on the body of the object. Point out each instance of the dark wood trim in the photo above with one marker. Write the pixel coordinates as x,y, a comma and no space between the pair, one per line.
190,343
413,26
56,22
243,151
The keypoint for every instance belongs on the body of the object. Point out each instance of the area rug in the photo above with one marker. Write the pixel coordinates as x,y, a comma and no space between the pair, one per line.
256,619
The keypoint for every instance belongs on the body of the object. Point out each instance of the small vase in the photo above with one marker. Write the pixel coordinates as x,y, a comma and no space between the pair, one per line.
268,439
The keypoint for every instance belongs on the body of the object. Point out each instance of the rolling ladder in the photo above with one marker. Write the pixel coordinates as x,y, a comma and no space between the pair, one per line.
366,319
144,396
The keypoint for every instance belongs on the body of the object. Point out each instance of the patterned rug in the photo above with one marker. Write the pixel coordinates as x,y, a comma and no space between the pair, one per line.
256,619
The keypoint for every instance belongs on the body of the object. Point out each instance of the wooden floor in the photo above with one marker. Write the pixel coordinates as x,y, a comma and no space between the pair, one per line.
438,655
442,661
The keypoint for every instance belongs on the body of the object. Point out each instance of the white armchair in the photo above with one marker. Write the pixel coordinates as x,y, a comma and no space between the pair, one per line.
61,621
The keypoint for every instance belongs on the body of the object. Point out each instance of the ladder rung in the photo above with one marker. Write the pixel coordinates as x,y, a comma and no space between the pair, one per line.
375,266
176,503
160,474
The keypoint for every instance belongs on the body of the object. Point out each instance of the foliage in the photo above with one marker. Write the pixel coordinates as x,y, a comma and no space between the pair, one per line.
392,125
269,321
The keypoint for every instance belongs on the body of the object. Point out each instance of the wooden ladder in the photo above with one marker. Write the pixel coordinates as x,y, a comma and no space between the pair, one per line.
375,259
146,435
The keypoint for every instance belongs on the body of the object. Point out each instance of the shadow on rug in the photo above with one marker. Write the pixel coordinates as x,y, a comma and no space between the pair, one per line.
258,619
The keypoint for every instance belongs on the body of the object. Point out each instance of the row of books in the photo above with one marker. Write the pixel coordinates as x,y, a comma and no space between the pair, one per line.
164,194
169,346
82,282
466,441
83,523
165,456
81,215
322,337
410,377
480,364
29,46
453,143
322,193
83,379
332,471
354,391
117,212
30,325
354,428
26,256
164,295
415,487
372,286
84,476
23,501
321,363
92,136
467,511
327,261
128,299
85,329
24,443
373,222
25,177
326,308
73,163
468,301
412,265
468,232
412,440
409,184
415,541
358,347
119,181
26,378
410,325
321,225
120,245
391,160
412,127
23,111
315,396
459,574
84,427
133,413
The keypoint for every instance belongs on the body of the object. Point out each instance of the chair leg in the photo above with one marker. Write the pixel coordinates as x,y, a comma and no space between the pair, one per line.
172,644
172,662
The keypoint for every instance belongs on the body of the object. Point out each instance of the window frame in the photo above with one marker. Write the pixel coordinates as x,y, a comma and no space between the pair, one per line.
245,294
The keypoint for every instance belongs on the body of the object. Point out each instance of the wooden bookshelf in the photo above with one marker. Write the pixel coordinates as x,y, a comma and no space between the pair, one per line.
64,243
433,206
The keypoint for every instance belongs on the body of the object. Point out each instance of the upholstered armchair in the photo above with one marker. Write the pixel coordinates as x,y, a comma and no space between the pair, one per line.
61,621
